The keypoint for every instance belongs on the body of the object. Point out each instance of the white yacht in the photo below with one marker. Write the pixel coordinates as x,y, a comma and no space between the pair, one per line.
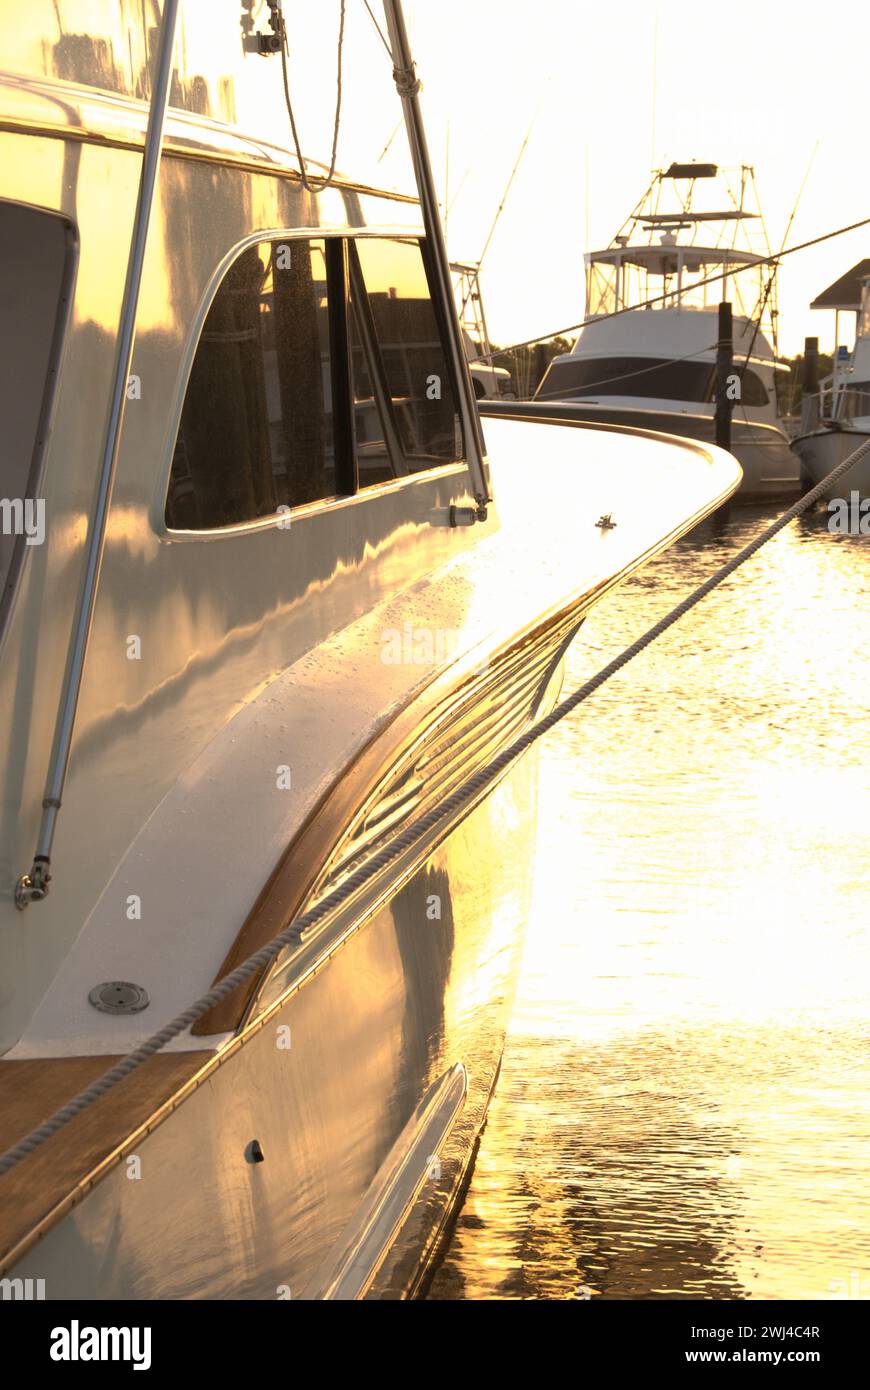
655,366
267,599
835,419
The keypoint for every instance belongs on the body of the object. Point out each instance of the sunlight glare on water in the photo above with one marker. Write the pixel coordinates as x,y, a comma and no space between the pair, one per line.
683,1108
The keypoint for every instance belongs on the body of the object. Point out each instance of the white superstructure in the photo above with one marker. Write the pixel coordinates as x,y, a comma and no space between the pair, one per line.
647,352
835,420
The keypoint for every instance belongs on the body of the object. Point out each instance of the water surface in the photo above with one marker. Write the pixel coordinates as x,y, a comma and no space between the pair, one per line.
683,1109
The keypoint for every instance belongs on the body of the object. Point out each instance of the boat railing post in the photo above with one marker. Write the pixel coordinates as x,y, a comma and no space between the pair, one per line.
33,886
810,400
408,87
724,382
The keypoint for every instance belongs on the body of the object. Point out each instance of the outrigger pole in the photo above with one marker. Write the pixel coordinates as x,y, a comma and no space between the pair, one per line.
408,87
33,886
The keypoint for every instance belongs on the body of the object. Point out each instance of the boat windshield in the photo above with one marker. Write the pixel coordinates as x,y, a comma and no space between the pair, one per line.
651,377
674,277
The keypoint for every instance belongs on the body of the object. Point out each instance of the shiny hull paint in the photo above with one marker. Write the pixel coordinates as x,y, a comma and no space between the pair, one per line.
324,1086
215,624
260,649
822,450
380,1009
763,452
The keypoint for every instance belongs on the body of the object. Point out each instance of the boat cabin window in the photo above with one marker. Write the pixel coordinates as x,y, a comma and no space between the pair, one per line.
395,328
655,378
256,427
672,277
35,262
854,402
320,369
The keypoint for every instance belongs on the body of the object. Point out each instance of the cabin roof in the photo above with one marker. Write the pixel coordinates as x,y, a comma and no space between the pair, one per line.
70,111
687,219
845,293
662,259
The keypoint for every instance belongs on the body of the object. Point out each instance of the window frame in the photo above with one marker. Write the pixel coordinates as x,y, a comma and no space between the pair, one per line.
338,280
61,333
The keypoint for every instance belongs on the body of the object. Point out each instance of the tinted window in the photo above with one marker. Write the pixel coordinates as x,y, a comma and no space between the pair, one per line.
256,428
34,253
396,334
643,376
856,400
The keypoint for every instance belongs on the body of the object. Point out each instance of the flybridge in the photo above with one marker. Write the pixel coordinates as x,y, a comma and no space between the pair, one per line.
731,198
682,219
692,219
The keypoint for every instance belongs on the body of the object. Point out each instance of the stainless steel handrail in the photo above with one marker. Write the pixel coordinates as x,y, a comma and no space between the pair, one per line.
33,886
408,87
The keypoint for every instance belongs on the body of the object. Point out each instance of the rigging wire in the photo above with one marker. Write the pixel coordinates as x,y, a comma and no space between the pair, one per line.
381,34
504,198
396,130
771,279
320,184
660,298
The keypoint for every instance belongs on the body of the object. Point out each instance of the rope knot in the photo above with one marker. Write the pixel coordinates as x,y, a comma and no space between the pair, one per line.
407,82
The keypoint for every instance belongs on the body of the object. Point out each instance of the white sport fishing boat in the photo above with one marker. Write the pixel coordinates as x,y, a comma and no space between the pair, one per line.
655,367
835,419
266,600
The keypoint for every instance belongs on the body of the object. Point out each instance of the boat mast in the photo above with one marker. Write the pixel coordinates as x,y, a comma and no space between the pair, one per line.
33,886
408,87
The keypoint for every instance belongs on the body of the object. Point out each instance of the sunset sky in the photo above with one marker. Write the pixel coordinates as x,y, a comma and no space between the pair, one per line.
763,85
608,95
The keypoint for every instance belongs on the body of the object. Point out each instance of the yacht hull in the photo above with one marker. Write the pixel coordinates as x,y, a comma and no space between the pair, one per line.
364,1091
822,450
264,708
313,1141
770,470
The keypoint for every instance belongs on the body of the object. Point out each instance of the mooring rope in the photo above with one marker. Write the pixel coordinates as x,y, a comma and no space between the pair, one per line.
410,836
314,186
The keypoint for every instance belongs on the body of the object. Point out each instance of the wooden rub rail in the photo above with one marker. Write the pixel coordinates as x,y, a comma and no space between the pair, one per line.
461,729
63,1169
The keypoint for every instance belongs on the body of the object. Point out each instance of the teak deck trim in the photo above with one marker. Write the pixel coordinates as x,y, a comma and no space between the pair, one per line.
46,1185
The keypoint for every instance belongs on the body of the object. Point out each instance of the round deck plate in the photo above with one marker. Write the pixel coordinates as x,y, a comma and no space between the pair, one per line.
119,997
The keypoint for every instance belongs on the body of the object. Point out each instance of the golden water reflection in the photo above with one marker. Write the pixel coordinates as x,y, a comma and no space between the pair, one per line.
683,1109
